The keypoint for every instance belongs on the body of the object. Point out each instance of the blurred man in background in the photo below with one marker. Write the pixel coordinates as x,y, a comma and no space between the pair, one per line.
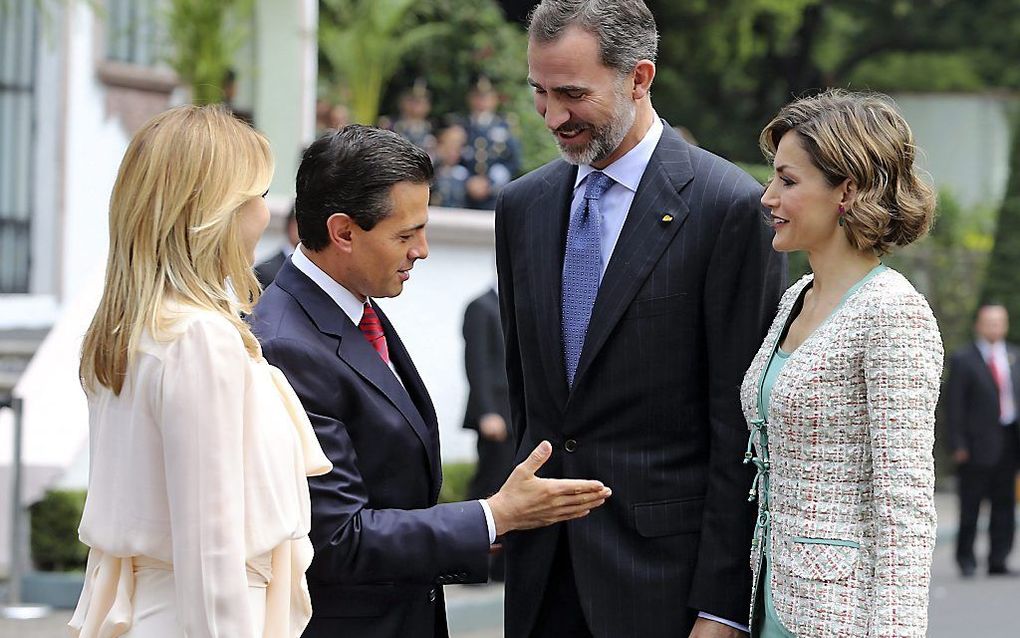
981,406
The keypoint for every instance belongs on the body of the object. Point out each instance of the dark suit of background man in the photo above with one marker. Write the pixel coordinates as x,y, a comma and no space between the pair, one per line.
668,251
383,547
265,271
488,404
984,383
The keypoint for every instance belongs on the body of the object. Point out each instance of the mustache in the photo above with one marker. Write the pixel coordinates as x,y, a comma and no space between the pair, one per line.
569,127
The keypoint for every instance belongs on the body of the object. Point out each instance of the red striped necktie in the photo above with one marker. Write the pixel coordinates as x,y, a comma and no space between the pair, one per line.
372,329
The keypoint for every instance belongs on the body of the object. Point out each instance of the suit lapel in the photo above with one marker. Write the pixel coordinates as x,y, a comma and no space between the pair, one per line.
642,241
359,354
420,412
547,232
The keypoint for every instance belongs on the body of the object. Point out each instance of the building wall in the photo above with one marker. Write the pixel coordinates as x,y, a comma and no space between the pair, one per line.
86,109
964,142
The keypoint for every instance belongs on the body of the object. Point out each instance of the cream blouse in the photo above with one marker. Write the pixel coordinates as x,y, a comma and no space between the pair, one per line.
200,462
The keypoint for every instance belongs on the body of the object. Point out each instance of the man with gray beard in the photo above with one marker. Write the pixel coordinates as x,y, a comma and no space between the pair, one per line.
636,281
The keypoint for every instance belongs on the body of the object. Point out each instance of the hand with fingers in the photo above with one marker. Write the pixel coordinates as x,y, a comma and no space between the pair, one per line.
526,501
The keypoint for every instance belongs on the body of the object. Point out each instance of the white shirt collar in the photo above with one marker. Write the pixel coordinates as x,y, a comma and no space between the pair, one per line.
344,298
629,169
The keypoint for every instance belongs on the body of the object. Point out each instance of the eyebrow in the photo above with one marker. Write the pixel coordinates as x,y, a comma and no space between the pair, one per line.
411,228
567,88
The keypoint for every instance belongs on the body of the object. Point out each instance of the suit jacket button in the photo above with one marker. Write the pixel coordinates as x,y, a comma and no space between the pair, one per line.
570,445
432,595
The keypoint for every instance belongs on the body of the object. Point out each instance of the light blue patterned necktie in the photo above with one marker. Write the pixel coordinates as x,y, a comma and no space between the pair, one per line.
582,269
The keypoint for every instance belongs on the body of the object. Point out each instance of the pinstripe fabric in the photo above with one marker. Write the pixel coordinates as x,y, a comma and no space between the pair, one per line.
654,411
851,430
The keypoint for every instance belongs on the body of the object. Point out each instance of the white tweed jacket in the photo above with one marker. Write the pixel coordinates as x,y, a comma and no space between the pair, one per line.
851,426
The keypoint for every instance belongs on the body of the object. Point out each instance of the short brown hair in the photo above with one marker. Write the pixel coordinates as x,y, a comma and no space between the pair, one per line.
862,137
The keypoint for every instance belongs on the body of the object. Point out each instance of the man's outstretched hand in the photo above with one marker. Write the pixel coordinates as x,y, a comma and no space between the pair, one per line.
526,501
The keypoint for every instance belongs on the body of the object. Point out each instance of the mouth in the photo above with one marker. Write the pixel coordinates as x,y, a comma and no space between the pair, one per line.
404,274
568,136
778,221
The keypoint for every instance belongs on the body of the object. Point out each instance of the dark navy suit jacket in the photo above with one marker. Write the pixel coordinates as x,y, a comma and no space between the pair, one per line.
972,405
688,295
383,548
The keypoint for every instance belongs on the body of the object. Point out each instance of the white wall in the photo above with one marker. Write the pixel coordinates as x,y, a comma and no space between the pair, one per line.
964,142
94,144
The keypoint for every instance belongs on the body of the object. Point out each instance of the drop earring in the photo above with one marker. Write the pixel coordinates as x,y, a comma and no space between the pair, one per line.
842,211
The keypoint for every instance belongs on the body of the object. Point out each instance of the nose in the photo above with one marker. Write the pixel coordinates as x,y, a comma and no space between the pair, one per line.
555,115
770,199
421,249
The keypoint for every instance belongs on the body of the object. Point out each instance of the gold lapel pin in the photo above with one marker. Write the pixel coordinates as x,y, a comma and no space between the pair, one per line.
666,219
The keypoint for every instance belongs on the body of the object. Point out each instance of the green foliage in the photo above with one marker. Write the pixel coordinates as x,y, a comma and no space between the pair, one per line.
949,71
54,531
205,35
456,480
1003,280
364,42
725,67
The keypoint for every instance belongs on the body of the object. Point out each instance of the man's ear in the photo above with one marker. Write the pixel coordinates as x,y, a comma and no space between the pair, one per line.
644,73
340,229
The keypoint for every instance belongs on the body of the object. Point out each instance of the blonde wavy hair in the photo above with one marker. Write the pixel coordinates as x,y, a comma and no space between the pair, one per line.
175,233
861,136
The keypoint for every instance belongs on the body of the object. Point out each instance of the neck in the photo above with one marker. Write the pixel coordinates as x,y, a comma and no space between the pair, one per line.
329,264
839,267
643,119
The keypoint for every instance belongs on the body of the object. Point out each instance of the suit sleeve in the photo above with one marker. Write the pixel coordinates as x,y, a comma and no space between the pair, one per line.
956,404
902,369
514,365
477,365
446,543
743,285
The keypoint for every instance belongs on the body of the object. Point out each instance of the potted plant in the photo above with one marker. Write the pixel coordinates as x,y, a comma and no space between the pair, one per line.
57,554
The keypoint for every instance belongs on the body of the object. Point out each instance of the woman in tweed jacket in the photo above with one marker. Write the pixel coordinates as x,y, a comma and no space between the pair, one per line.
841,397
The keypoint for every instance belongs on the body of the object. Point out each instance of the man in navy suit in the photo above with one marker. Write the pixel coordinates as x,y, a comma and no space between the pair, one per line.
637,280
383,547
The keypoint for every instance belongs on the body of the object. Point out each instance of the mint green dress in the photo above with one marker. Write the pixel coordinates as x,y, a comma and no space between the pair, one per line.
766,623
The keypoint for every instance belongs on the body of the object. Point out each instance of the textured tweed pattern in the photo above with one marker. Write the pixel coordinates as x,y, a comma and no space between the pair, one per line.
851,429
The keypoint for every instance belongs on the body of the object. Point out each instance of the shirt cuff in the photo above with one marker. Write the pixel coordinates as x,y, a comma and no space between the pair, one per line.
728,623
490,522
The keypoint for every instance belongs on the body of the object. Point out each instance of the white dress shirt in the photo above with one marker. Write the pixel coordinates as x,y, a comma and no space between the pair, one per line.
614,206
1007,402
354,309
626,174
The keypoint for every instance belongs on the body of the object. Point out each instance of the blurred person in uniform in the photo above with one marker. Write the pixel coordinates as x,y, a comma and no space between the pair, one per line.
981,407
339,117
488,404
266,270
492,153
450,185
322,109
413,124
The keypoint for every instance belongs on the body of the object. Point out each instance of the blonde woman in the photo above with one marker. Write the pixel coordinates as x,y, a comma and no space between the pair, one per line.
198,510
841,396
